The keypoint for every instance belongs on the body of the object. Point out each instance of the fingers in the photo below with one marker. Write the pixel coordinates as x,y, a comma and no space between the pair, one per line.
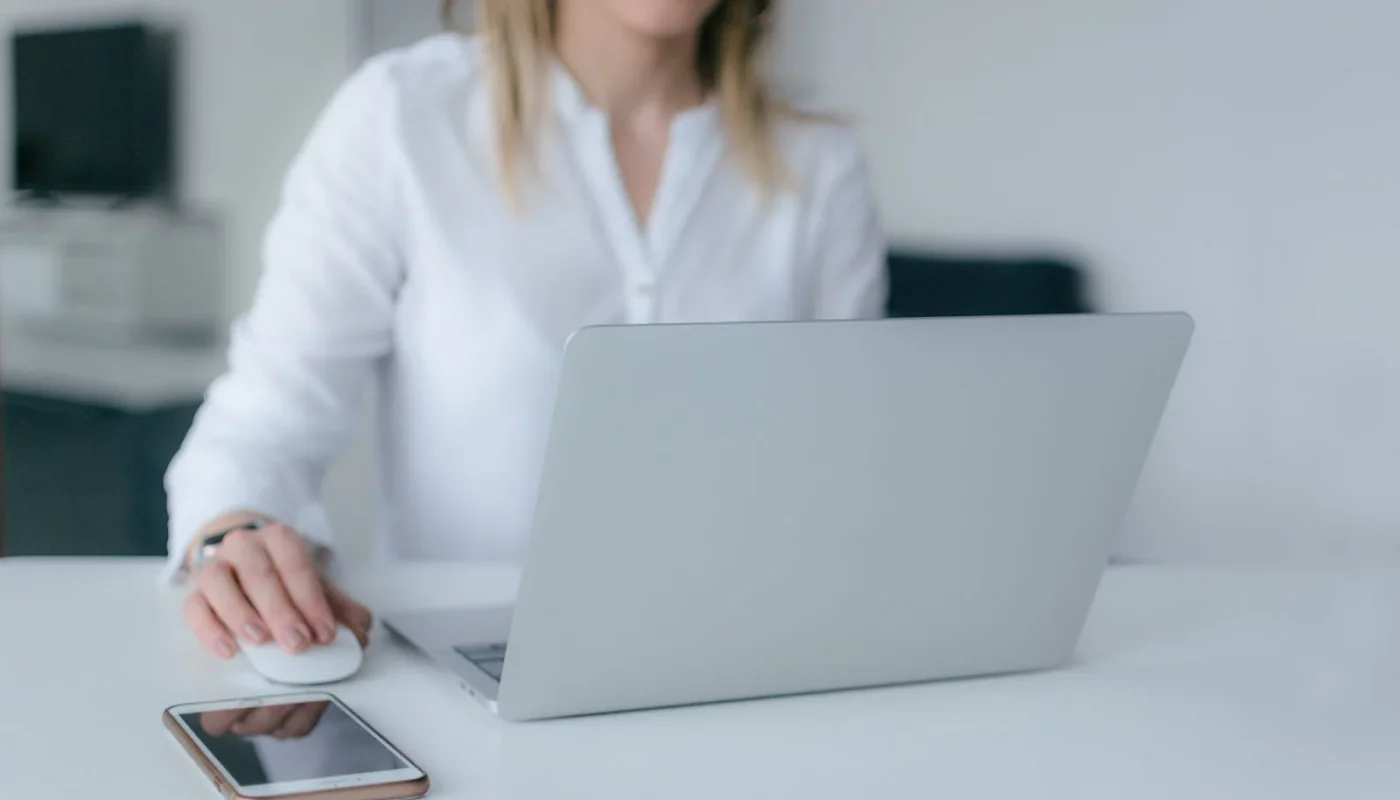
220,588
280,721
266,585
302,578
207,628
301,721
262,584
220,723
264,720
355,616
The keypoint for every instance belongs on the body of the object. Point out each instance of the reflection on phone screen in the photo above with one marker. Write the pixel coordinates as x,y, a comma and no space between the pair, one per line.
295,742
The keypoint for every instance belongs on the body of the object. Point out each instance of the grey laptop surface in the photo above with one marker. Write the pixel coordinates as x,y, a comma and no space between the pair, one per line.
752,510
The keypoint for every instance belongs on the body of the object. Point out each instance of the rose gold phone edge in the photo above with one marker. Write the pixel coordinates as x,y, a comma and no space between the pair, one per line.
403,790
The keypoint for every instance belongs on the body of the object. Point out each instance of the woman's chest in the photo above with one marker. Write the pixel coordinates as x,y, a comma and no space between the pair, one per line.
570,253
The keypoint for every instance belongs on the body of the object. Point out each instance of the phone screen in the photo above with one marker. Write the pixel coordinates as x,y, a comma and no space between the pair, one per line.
300,741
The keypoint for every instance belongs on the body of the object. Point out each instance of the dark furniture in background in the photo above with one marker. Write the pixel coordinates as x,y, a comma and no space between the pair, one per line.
933,284
83,478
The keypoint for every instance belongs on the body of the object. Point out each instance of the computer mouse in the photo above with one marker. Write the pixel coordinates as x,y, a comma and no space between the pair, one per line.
322,663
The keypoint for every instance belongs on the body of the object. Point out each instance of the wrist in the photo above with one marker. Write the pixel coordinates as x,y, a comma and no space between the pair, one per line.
205,544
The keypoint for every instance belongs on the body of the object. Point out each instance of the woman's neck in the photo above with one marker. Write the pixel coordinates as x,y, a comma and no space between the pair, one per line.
623,74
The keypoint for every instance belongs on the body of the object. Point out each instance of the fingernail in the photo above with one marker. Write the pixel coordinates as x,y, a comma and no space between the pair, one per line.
295,637
326,634
224,648
255,632
238,729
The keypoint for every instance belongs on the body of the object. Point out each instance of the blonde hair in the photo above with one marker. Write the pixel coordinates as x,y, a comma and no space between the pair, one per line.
519,39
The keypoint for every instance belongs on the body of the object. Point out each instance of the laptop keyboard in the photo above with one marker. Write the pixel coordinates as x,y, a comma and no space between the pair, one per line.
489,658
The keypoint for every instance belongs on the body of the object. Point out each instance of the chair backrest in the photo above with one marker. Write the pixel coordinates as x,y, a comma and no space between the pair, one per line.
934,284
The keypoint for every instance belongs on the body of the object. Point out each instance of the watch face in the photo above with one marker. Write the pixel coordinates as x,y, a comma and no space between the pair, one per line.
205,553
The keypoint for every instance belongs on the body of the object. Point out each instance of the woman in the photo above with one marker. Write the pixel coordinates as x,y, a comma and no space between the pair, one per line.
461,208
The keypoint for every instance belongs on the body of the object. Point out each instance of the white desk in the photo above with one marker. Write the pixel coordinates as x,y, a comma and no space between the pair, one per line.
1192,684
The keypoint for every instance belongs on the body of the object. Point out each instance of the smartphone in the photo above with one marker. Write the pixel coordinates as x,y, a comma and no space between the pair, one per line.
307,745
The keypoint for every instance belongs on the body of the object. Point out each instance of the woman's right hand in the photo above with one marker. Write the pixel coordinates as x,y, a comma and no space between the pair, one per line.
267,585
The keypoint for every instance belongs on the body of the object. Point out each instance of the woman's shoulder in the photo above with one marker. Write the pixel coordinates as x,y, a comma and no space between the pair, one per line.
434,69
819,146
435,58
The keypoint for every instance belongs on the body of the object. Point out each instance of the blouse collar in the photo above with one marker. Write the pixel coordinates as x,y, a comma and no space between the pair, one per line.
573,107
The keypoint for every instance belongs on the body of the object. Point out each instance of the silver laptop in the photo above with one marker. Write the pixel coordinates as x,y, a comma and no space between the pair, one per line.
754,510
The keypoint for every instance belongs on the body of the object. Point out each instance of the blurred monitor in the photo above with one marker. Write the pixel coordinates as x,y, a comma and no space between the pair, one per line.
94,111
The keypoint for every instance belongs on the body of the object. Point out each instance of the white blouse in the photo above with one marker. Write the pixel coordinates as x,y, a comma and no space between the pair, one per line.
396,259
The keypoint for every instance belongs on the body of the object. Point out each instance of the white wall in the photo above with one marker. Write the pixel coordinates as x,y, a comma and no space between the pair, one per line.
1235,159
398,23
257,73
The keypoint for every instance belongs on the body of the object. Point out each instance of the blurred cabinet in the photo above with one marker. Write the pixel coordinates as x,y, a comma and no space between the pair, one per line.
110,276
86,479
88,434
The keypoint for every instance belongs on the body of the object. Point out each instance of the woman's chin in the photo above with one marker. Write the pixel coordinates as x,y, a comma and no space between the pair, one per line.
663,19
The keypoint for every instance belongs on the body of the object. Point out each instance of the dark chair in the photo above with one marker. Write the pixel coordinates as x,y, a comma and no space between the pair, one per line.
932,284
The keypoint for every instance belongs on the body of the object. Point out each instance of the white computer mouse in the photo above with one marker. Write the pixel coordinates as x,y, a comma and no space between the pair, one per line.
323,663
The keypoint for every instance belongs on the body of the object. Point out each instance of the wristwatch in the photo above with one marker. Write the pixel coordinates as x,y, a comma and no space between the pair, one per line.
209,547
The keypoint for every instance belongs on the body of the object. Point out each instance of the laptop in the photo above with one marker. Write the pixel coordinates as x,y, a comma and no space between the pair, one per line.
739,511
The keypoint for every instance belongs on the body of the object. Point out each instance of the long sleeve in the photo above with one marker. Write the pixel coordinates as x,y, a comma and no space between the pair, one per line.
849,247
321,319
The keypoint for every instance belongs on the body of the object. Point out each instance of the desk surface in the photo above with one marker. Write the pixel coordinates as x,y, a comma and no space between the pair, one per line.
1190,684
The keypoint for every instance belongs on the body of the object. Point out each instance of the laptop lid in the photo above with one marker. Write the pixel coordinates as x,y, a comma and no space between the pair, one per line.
748,510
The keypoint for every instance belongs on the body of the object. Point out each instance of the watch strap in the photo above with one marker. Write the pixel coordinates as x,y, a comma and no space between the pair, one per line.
209,545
